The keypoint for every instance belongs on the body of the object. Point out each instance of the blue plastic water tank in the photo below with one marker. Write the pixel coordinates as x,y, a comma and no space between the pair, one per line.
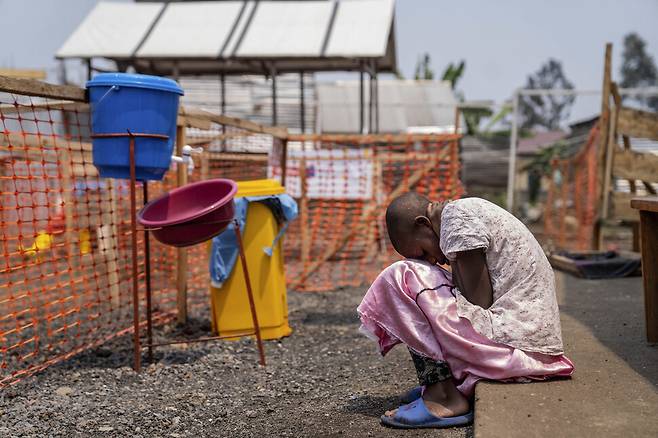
142,104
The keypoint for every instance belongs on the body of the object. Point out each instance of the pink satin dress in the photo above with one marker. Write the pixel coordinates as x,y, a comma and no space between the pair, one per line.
411,302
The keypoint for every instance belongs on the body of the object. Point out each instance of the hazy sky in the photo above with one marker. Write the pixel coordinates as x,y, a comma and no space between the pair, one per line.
501,41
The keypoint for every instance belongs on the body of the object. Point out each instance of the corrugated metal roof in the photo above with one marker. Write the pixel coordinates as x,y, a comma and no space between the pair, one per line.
540,140
228,36
403,106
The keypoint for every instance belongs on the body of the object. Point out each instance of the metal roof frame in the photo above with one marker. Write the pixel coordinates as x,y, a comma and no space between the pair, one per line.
342,36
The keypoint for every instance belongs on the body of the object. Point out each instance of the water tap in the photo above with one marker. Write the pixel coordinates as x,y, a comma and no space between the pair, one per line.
186,157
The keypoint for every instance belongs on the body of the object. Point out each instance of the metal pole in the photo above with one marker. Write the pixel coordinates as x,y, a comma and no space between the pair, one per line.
222,97
147,269
370,102
302,109
376,91
88,69
361,103
250,294
222,104
284,161
137,366
274,114
511,170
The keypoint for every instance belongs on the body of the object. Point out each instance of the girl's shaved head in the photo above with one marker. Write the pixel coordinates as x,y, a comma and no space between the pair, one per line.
400,217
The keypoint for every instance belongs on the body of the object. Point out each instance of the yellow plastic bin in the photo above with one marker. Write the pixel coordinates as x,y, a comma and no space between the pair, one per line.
230,303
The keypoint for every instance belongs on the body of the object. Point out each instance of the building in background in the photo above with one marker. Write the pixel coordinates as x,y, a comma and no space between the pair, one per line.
404,106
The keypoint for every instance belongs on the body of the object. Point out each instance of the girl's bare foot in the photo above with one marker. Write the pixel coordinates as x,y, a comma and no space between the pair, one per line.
443,400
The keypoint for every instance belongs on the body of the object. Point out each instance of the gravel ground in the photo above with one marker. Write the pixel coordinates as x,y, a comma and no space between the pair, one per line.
324,380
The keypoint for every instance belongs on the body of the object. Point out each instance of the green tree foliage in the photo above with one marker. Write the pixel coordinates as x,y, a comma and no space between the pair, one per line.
453,73
546,111
638,68
423,68
472,118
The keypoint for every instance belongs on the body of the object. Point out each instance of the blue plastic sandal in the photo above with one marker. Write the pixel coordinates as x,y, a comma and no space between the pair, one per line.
412,395
416,416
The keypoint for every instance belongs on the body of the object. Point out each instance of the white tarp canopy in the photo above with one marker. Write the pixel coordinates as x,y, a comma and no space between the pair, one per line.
238,36
403,106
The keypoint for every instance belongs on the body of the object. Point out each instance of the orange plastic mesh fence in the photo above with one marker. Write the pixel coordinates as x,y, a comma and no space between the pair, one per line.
343,186
65,277
571,203
65,282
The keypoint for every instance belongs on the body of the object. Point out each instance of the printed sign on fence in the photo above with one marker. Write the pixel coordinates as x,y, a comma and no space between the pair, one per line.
330,174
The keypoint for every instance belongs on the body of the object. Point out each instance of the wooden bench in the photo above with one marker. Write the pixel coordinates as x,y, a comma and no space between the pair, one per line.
648,207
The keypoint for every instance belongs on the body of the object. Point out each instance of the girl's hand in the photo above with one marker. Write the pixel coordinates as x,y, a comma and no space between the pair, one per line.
434,211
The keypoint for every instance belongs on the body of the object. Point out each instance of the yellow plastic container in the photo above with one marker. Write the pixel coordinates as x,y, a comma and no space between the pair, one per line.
230,303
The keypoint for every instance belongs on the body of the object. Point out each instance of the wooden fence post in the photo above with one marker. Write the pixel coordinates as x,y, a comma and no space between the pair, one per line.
181,271
303,215
604,122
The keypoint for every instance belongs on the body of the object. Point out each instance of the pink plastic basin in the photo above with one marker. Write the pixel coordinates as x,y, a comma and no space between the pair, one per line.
190,214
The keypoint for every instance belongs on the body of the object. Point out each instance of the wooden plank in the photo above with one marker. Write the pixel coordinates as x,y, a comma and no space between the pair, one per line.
374,138
646,203
222,156
194,122
205,139
59,105
636,236
284,162
200,114
636,165
32,87
649,188
205,165
627,143
649,246
609,158
622,210
638,123
565,264
568,265
23,73
181,253
604,122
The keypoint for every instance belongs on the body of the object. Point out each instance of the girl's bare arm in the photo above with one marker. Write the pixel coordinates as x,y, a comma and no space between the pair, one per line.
472,277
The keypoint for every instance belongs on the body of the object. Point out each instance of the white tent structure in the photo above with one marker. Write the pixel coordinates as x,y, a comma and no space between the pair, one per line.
240,37
404,106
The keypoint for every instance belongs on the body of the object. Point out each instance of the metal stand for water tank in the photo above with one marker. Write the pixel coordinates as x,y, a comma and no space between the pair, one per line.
137,347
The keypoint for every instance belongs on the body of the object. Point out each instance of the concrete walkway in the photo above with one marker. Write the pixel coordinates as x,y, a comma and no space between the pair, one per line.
614,389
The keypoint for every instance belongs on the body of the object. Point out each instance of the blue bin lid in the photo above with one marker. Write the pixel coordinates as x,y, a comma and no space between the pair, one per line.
135,81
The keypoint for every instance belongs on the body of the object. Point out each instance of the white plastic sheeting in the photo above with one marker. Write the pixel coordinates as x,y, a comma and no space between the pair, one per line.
287,28
111,30
335,33
194,29
404,106
361,28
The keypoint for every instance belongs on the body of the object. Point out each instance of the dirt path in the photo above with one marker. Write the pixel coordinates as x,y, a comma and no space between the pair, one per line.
324,380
